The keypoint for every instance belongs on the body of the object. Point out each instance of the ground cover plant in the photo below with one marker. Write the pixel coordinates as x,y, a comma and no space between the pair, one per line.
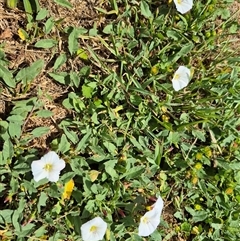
119,120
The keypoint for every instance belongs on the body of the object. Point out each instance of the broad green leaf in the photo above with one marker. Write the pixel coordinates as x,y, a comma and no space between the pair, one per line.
199,134
42,14
71,135
73,39
49,25
183,51
27,75
46,43
7,150
6,216
16,220
40,232
61,59
82,143
44,113
133,172
108,29
64,144
62,77
7,77
145,11
73,42
15,129
25,230
87,91
82,54
42,201
27,6
110,147
64,3
40,131
75,79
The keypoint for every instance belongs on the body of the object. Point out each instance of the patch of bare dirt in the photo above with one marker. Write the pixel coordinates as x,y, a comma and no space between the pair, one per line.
235,9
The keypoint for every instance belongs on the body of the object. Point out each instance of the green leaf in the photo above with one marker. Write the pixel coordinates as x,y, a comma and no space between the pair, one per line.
27,6
49,25
110,170
15,220
183,51
75,79
84,71
6,216
42,201
82,54
46,43
145,11
40,232
108,29
64,3
82,143
7,150
199,134
110,147
64,144
61,77
87,91
133,172
40,131
7,77
15,129
60,61
72,41
25,230
44,113
27,75
42,14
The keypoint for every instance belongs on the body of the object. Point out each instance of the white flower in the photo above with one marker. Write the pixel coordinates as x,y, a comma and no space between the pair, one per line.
151,219
49,166
181,78
93,230
183,6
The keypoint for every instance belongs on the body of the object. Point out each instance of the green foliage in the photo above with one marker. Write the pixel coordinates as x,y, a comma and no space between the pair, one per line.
128,135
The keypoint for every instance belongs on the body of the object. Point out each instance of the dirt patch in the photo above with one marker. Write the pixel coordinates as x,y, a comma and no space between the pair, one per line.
235,39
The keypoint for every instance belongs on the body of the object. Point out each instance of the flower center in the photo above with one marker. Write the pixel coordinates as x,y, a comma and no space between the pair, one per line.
145,220
48,167
179,1
176,76
93,229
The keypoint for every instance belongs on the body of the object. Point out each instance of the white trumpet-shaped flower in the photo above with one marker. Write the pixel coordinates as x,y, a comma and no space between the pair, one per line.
183,6
151,219
94,230
181,78
49,166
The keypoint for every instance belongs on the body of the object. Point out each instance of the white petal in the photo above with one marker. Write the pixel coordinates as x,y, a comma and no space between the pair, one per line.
181,78
158,206
52,158
184,6
147,228
101,226
38,171
53,176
